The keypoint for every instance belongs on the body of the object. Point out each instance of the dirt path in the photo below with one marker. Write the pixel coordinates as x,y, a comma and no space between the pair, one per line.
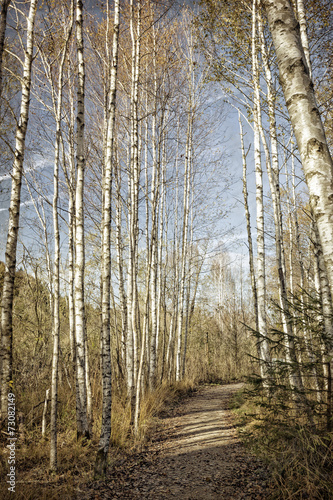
196,455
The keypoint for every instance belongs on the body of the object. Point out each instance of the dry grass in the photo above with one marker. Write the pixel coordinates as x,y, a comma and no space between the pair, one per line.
76,462
299,457
33,479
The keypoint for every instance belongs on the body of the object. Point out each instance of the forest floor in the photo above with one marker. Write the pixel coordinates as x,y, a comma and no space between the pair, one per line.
195,453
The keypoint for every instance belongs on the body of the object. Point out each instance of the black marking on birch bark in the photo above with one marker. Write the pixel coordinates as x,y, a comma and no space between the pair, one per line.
315,111
314,200
278,23
314,148
298,63
296,97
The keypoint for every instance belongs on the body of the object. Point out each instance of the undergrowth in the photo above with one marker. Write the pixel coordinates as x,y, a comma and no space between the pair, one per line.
76,462
299,456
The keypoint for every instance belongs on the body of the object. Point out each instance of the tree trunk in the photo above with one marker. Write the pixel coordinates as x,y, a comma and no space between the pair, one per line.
261,281
3,24
56,268
305,118
14,215
81,410
248,227
303,32
134,176
187,174
101,458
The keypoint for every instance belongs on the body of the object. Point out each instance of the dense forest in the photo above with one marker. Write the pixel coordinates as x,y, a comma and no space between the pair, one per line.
119,287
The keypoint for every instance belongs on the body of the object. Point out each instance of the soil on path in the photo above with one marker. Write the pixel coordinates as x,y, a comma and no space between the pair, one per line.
195,455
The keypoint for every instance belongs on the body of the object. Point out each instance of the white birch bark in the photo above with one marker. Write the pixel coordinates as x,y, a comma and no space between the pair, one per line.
14,215
88,385
272,164
190,272
160,278
248,227
305,118
132,304
327,308
101,458
261,272
175,267
303,32
163,260
144,350
154,204
81,410
3,23
186,196
47,399
71,229
57,104
154,198
120,264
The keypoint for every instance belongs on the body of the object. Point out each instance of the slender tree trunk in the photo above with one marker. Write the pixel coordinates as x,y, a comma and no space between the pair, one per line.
120,264
189,276
56,317
71,239
187,174
327,308
175,256
303,32
101,459
81,410
132,305
161,267
143,351
88,385
249,235
3,24
157,145
56,267
14,215
154,198
46,401
261,280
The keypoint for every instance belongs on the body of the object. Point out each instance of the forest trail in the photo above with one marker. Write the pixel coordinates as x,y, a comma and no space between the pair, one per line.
196,454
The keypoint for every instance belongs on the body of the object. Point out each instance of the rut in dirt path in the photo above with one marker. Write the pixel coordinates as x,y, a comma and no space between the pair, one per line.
196,455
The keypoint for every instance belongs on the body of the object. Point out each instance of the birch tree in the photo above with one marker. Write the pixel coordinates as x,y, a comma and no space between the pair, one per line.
57,99
248,228
305,118
261,280
81,410
134,177
14,215
101,458
3,23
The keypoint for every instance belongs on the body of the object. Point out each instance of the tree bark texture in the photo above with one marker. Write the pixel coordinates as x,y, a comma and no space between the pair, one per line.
305,118
14,216
103,447
81,411
3,24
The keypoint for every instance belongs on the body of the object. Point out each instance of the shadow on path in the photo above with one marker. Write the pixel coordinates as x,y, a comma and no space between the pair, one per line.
197,455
